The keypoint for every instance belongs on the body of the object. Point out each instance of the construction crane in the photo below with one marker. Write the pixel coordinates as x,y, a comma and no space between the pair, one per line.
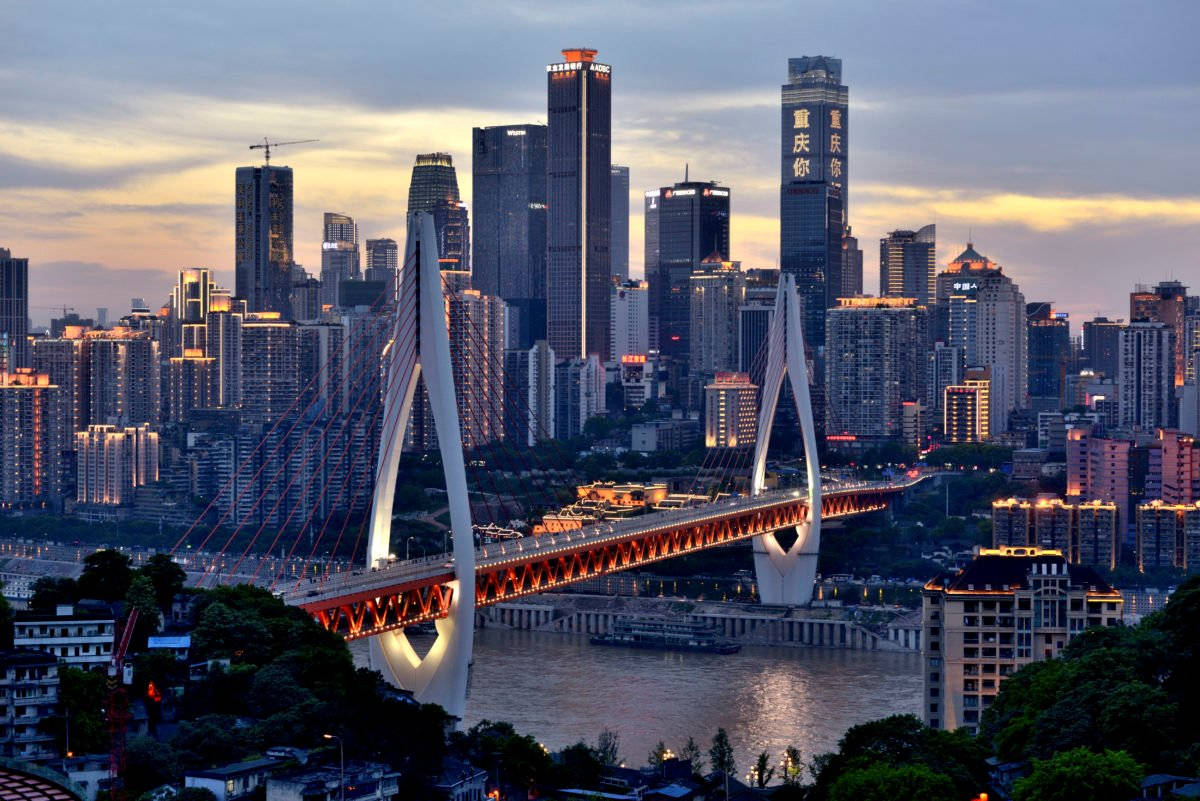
268,144
118,707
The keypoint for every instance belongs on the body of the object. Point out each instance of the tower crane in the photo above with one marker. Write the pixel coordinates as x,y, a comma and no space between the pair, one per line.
268,144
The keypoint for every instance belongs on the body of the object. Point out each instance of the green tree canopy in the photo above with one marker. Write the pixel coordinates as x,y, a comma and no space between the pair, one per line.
1080,773
106,576
167,578
884,782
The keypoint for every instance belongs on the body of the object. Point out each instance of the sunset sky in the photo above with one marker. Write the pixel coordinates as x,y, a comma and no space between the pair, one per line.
1063,135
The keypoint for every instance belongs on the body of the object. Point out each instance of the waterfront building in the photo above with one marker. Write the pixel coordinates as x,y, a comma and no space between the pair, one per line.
529,377
340,259
1007,608
730,411
619,227
1168,536
113,462
1086,532
630,319
1145,376
692,227
873,366
508,180
814,175
14,311
1050,357
716,291
578,273
908,265
31,439
966,409
263,247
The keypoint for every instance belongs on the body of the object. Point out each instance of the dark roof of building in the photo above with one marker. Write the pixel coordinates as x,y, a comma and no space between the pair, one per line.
20,785
26,656
237,769
994,572
970,254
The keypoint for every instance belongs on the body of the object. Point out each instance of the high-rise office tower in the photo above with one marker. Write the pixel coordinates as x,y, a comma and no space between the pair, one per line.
908,264
1049,348
650,241
814,172
383,261
693,225
1167,303
717,290
852,266
508,179
339,255
578,273
529,386
433,181
1101,344
619,249
985,311
872,366
263,251
31,438
434,189
14,311
630,326
1145,376
754,321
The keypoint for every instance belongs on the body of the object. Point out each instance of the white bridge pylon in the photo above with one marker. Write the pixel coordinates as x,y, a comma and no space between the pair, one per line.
785,577
420,348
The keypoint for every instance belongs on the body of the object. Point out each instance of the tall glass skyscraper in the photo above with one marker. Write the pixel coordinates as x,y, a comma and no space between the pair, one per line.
433,188
14,312
908,265
692,224
578,274
263,238
339,255
620,222
814,171
508,179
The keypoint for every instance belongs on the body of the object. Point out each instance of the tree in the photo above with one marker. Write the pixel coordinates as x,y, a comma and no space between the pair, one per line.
608,746
692,754
49,592
721,756
1080,773
106,576
792,768
882,782
658,755
81,697
763,771
167,577
141,597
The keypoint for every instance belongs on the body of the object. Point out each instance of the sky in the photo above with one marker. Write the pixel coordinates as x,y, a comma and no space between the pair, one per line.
1061,137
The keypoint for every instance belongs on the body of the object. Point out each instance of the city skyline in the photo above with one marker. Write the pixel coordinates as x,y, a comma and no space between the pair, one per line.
141,150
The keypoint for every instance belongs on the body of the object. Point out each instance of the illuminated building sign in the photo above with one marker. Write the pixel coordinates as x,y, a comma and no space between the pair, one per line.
515,133
965,286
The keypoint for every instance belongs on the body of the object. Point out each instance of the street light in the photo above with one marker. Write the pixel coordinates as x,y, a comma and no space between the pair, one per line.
341,764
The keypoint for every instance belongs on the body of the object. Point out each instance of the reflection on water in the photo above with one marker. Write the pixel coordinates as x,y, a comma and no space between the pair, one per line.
560,689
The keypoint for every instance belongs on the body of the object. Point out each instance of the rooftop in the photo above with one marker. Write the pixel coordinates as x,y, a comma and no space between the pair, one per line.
1005,569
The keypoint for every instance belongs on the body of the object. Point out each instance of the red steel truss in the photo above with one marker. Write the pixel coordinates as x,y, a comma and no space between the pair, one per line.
382,609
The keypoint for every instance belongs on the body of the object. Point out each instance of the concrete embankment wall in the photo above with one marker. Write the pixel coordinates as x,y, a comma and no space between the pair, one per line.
745,623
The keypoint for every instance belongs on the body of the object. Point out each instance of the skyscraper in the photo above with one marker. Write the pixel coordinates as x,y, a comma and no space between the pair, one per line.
529,387
630,326
477,324
339,255
1101,343
1145,376
578,274
1049,346
30,438
716,291
693,225
508,175
908,264
852,267
383,261
434,189
1166,302
14,311
814,172
263,238
619,249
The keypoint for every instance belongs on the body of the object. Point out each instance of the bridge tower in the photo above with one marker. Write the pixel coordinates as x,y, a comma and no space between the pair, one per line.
420,348
786,577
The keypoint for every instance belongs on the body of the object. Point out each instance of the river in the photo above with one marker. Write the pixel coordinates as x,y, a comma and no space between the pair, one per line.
561,689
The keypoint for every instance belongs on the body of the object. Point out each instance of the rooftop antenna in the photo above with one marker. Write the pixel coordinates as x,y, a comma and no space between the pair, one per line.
268,144
685,172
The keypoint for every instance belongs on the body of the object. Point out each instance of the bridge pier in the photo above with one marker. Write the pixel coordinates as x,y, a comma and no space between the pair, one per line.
785,577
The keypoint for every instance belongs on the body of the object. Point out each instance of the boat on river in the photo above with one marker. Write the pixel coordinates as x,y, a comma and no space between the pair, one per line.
662,633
